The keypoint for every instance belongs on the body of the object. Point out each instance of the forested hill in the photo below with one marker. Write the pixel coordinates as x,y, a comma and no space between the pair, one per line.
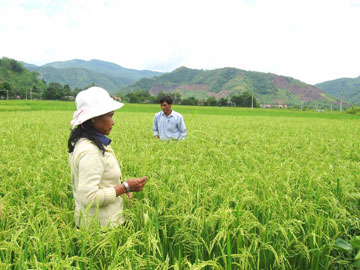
225,82
348,87
80,73
16,80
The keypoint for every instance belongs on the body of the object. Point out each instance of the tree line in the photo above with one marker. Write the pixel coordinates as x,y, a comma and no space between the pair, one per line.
243,100
53,91
57,91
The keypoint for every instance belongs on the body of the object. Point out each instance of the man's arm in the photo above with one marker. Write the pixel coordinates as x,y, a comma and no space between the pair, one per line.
155,127
182,129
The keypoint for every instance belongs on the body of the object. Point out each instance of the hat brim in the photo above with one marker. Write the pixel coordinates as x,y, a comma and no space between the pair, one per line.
111,106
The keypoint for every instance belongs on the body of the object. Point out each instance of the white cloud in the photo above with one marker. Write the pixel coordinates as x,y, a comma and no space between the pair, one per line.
313,41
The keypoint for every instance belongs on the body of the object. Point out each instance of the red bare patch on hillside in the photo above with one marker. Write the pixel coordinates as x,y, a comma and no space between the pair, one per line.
305,93
181,88
193,87
157,88
221,94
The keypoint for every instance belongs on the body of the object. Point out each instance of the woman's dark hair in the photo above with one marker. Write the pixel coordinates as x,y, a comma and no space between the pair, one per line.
168,100
85,130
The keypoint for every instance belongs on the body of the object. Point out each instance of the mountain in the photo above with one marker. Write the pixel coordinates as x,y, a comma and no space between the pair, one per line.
348,87
267,87
17,80
80,73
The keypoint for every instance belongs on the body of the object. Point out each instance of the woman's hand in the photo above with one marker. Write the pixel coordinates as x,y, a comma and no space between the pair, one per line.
136,184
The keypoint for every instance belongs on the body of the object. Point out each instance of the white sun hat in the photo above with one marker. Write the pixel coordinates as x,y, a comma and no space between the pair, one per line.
93,102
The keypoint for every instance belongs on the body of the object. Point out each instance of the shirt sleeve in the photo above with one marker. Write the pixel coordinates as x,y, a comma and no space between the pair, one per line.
91,168
182,128
155,126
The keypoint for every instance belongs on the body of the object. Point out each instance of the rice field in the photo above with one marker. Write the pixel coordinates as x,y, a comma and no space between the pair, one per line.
247,189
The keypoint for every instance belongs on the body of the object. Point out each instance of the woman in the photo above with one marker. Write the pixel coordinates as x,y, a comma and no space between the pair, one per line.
95,173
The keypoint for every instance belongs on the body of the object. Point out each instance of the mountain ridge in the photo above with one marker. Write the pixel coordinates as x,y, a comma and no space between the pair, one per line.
349,88
82,73
226,82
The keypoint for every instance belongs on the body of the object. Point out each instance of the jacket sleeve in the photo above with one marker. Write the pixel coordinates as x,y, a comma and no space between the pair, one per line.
155,126
91,167
182,128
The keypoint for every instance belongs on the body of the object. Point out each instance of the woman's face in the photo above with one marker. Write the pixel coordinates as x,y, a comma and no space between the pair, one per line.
103,123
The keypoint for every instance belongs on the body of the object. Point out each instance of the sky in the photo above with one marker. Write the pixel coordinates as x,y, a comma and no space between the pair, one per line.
310,40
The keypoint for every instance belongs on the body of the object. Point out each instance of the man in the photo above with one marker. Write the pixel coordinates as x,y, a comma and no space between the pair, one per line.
168,124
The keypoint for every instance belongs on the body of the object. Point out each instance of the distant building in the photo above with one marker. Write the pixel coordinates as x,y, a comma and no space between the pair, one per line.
280,106
69,97
116,98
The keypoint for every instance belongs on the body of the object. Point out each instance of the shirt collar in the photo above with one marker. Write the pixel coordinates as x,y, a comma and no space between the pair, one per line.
103,139
162,113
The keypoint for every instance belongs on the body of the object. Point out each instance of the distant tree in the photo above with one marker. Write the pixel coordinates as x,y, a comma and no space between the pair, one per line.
176,97
5,86
159,96
132,98
16,66
189,101
139,97
237,101
54,91
244,100
66,92
90,85
247,96
76,91
211,101
223,102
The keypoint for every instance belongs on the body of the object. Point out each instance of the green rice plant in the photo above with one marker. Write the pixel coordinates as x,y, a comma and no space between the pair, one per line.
247,189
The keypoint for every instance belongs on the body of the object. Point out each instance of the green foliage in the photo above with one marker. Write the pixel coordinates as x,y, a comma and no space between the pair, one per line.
211,101
244,100
352,246
247,189
180,75
19,81
5,86
189,101
223,102
348,87
57,91
11,64
355,110
176,97
139,97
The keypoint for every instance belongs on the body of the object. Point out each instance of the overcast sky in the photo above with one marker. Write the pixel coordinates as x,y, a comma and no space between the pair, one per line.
310,40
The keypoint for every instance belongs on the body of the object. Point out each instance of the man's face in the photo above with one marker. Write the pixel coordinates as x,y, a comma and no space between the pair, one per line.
166,108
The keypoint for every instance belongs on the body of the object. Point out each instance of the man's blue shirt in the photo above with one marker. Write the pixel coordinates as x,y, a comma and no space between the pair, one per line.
171,127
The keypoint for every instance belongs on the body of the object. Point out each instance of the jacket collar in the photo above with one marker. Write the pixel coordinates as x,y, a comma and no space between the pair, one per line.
103,139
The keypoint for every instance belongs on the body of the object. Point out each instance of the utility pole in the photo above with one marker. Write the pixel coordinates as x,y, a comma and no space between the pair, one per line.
7,94
30,94
331,108
252,99
341,95
25,95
